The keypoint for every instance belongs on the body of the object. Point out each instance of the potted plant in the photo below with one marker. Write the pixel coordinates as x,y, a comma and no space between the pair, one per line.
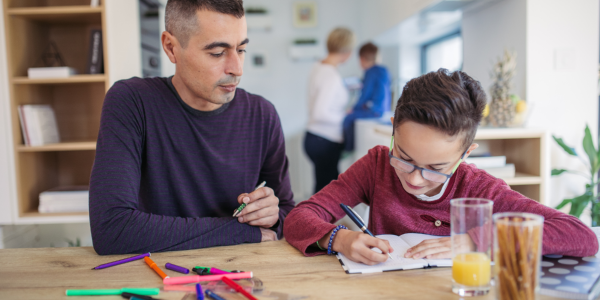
579,203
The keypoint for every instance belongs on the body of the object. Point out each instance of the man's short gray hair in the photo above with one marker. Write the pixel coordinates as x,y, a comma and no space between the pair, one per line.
181,20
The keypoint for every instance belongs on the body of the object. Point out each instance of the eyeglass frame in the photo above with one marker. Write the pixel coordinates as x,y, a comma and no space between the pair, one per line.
448,176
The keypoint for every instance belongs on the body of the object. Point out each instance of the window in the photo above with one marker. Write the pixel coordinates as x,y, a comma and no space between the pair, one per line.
446,52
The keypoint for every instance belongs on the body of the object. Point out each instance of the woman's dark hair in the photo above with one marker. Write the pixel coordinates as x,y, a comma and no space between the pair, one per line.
451,102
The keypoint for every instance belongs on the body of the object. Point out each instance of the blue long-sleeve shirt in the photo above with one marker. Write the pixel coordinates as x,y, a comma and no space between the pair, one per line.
375,97
167,177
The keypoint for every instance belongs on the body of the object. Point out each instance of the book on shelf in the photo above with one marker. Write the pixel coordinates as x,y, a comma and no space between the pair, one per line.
38,125
400,244
95,3
50,72
508,171
96,54
570,277
483,162
65,199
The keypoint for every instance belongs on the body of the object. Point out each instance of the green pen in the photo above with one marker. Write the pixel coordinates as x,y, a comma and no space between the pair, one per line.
102,292
239,209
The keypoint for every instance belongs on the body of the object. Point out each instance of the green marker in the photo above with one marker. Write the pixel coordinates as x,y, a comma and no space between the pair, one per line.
102,292
239,209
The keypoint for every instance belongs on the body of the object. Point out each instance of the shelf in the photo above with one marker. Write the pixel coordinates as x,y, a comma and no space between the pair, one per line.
85,78
67,146
59,14
508,133
35,217
523,179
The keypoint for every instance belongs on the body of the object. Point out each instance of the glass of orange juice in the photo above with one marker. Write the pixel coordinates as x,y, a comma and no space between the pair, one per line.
471,237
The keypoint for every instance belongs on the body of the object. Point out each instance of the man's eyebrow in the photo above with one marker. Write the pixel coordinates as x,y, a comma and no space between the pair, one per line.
223,45
438,164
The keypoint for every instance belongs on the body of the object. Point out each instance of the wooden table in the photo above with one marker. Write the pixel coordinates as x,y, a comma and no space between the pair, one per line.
45,273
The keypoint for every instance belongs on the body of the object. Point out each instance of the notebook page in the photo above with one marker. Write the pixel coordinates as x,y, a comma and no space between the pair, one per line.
414,239
398,263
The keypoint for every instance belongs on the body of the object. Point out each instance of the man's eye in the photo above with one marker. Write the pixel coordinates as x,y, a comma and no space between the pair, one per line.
217,54
242,51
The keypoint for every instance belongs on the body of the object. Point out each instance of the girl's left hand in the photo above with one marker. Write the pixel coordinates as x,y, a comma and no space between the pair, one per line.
440,248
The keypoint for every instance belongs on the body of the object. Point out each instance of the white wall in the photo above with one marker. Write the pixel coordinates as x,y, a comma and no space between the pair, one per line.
563,99
7,181
377,16
124,42
565,96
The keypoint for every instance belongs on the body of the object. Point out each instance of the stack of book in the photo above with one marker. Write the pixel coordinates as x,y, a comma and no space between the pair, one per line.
38,124
494,165
65,199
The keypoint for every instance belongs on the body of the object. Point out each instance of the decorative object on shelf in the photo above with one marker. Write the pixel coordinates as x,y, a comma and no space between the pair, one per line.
52,65
305,14
502,108
257,18
579,203
306,48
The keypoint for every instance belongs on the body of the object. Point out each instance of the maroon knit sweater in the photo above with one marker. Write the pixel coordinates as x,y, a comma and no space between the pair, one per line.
371,180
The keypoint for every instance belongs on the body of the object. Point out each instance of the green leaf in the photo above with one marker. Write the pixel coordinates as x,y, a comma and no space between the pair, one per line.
562,144
578,204
558,171
590,150
563,203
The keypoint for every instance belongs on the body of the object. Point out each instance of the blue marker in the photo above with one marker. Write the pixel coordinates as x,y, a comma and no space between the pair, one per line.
358,221
199,293
213,295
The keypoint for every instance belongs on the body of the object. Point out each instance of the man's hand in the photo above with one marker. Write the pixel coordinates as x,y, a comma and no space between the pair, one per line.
440,248
357,246
262,209
268,235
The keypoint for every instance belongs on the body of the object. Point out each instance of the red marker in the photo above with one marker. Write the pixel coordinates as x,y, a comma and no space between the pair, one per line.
237,288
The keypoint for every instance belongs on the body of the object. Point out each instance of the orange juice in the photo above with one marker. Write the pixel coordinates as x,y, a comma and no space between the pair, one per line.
471,269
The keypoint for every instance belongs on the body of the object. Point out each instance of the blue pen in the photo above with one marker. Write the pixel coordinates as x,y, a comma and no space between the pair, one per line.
358,221
199,293
213,295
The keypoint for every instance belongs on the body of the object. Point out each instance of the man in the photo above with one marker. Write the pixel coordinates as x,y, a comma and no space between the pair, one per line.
375,98
176,156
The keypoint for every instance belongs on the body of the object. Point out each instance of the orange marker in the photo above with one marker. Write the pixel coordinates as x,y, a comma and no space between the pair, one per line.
154,267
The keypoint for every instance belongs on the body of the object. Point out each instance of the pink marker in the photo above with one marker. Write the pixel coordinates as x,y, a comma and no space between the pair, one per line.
198,278
217,271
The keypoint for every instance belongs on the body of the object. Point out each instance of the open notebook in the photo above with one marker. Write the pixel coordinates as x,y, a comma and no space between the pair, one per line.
400,245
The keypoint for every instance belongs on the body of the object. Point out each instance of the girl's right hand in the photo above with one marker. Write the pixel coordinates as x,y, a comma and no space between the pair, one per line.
357,246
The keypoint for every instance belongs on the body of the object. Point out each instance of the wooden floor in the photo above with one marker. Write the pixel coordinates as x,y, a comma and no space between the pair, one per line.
45,273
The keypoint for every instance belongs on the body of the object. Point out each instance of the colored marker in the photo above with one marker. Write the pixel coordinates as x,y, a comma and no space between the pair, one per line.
239,209
198,278
238,288
133,296
176,268
199,293
213,295
154,267
122,261
147,292
209,271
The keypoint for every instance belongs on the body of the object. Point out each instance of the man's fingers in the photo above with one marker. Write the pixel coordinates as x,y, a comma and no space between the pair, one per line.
243,198
264,222
259,214
271,201
263,192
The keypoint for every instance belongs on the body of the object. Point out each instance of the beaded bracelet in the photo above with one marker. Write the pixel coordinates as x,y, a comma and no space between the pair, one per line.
329,250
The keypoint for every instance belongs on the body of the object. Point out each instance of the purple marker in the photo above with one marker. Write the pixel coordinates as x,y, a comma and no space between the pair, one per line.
176,268
122,261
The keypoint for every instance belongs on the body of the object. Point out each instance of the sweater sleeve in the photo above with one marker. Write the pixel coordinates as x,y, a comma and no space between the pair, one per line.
275,172
563,234
368,91
313,218
118,224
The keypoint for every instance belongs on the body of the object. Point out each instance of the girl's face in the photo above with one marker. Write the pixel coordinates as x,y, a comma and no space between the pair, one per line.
426,147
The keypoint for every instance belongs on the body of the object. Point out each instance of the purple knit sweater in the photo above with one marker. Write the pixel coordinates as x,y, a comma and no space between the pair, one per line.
166,176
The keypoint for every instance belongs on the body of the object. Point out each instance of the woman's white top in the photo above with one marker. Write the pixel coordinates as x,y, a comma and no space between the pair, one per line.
327,100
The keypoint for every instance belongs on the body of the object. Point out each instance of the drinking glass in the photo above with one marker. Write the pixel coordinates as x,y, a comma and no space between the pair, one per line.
471,238
517,254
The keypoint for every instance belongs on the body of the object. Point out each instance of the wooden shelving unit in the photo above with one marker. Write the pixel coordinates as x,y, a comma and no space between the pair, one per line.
77,100
524,147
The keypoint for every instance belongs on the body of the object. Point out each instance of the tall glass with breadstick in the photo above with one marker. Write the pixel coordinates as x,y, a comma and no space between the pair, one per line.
517,254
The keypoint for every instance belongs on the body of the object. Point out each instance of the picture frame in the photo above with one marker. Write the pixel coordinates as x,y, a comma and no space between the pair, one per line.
305,14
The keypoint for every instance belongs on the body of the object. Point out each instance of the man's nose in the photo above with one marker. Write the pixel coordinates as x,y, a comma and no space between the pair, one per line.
235,64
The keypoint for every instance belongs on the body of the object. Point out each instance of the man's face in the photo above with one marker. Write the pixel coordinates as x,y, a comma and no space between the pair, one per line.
211,64
428,148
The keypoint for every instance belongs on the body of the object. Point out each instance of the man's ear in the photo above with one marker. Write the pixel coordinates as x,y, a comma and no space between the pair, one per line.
169,42
471,148
392,120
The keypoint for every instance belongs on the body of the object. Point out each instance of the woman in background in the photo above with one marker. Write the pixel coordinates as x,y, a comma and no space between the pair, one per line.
327,100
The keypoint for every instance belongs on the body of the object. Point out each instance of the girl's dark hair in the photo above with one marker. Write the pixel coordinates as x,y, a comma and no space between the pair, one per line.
451,102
